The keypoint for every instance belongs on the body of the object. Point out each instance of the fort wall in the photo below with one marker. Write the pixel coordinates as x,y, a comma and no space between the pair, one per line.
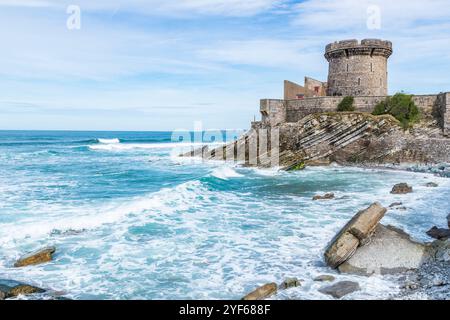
276,111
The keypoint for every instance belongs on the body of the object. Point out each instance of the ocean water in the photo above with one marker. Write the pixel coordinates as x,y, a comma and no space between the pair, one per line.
132,221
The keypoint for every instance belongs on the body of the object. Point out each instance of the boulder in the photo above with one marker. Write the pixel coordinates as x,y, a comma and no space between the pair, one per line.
401,188
432,185
324,277
262,292
10,289
441,250
326,196
341,249
439,233
340,289
290,283
354,233
37,257
390,251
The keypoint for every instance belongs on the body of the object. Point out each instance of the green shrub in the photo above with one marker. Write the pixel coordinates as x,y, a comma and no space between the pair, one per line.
402,107
298,166
346,104
381,108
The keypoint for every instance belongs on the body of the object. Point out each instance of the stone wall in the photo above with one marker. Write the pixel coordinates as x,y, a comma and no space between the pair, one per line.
297,109
275,111
443,109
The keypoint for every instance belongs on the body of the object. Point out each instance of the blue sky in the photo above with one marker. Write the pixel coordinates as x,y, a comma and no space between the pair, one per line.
163,64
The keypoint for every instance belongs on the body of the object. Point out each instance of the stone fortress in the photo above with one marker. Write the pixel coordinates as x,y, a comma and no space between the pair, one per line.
357,69
306,129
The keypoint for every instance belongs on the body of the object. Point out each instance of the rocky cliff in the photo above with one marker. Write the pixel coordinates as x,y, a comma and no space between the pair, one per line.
345,138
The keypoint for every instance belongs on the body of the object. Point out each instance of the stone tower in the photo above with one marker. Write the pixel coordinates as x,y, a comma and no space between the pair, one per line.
358,69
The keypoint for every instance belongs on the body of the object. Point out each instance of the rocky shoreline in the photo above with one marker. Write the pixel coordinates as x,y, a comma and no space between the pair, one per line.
365,247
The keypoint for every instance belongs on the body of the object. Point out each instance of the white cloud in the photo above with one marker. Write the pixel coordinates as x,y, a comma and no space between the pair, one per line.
162,7
351,15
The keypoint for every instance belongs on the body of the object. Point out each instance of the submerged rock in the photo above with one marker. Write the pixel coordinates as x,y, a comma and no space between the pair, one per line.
11,289
389,251
340,289
432,185
324,277
326,196
401,188
395,204
262,292
354,233
36,257
439,233
290,283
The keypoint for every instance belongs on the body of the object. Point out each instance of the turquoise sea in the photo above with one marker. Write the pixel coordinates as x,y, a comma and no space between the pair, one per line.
130,220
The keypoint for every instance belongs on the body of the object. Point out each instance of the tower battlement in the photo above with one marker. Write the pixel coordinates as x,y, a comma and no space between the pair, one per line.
370,47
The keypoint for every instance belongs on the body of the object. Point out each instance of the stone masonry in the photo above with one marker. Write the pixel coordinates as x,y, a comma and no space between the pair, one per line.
358,69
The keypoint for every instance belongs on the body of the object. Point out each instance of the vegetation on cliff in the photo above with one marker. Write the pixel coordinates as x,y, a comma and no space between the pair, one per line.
346,104
401,106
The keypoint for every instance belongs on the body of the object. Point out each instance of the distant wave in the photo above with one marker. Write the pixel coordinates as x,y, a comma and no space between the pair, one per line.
109,141
133,146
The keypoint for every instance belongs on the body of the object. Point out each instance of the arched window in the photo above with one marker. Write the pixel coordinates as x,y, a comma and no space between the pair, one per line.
359,81
371,67
347,67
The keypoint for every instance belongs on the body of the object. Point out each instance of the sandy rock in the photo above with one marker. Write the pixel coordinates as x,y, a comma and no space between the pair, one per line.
37,257
341,249
324,277
290,283
10,289
363,224
401,188
439,233
340,289
262,292
390,251
354,233
326,196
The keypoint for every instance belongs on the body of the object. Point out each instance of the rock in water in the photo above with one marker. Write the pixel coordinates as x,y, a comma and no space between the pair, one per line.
401,188
390,251
354,233
290,283
395,204
432,185
37,257
340,289
326,196
262,292
448,220
324,277
10,289
439,233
